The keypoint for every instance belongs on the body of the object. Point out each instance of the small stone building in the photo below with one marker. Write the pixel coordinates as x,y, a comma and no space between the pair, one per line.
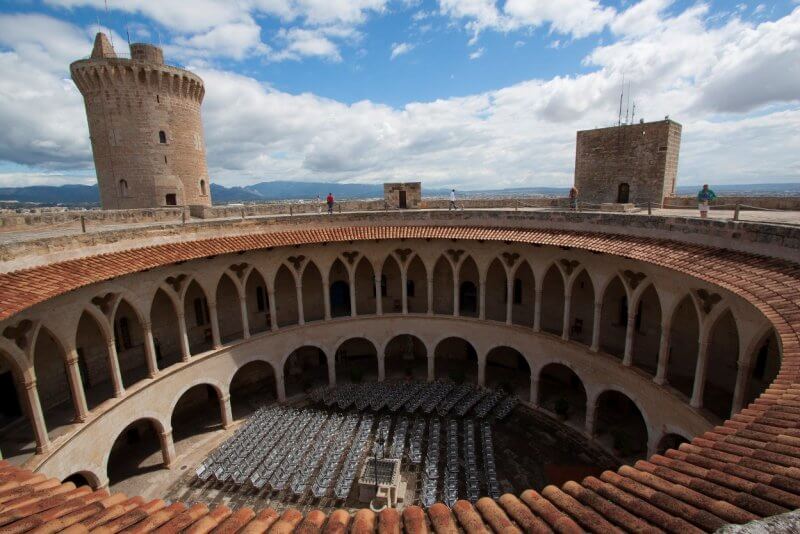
633,163
403,195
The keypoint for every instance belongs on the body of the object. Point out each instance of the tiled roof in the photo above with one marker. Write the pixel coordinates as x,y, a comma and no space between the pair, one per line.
746,468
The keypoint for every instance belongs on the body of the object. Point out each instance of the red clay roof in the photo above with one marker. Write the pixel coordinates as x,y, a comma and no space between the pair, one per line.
746,468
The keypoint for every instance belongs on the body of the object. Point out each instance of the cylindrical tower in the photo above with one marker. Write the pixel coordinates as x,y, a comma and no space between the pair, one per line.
145,128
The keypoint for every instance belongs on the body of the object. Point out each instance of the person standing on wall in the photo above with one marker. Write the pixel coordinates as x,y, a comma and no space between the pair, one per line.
573,198
704,198
319,204
330,203
452,201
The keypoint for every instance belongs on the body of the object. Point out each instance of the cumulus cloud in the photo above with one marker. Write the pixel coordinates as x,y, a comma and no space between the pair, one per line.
697,71
398,49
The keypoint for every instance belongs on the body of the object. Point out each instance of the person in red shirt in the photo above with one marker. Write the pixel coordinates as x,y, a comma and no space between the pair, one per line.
330,203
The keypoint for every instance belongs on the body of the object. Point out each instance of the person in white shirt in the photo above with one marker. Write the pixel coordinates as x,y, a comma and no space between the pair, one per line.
452,200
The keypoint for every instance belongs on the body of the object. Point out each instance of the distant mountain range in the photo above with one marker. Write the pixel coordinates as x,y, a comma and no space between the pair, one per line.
87,195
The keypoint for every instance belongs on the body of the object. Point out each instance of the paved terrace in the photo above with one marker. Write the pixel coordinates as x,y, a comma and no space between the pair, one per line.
74,227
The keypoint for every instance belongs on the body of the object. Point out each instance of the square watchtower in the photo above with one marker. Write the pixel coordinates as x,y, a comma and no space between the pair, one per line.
633,163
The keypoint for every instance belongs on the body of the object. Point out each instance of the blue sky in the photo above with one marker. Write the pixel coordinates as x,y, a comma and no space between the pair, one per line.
469,93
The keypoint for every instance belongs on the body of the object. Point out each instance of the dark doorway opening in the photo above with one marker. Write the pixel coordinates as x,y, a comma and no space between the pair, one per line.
340,299
9,402
171,199
402,200
623,193
468,299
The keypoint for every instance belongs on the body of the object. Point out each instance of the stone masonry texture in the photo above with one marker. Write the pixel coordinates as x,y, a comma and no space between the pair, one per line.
145,128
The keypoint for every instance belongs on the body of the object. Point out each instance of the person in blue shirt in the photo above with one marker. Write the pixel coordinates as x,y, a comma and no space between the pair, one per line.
704,198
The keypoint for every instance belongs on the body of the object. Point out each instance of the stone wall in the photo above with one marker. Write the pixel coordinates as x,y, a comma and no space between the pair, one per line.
412,190
643,157
775,203
92,218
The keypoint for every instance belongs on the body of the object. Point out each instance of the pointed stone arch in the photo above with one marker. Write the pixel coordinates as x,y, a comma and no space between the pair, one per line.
647,330
469,297
339,290
166,332
313,303
552,313
417,286
286,297
496,292
722,365
443,287
365,287
581,319
614,318
229,309
391,286
683,347
198,318
257,299
94,363
524,293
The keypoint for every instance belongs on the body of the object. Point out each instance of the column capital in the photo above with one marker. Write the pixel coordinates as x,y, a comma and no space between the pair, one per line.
225,398
167,433
147,325
30,384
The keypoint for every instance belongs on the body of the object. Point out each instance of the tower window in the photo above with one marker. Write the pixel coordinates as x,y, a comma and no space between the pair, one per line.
158,100
165,159
123,188
171,199
203,187
162,137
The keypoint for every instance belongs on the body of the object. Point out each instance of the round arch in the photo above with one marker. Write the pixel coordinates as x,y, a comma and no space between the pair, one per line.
356,360
405,355
196,410
507,368
670,440
304,368
621,425
455,358
18,439
252,385
83,478
136,451
562,392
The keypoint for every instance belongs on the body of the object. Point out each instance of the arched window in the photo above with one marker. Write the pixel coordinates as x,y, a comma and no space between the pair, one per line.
162,137
203,187
410,288
517,291
123,188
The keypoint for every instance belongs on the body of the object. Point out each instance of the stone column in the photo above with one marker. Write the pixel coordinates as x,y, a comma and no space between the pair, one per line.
280,387
76,386
167,448
301,316
331,370
591,407
216,340
743,373
482,299
37,417
534,393
353,308
430,294
663,353
326,297
456,297
598,313
700,374
150,350
509,300
431,368
113,365
381,368
378,296
404,291
537,311
245,320
567,313
225,411
627,358
273,310
183,336
482,371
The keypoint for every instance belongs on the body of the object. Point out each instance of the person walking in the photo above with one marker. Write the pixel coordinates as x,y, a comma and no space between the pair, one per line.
573,198
452,201
704,198
319,204
329,200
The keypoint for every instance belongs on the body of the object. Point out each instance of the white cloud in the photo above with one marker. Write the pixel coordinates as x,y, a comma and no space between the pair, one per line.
235,40
301,42
477,53
398,49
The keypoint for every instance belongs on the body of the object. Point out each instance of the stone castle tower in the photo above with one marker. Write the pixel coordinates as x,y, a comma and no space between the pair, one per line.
145,128
635,163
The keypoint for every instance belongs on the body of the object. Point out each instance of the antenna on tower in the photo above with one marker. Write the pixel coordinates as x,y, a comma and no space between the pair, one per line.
628,106
633,113
622,92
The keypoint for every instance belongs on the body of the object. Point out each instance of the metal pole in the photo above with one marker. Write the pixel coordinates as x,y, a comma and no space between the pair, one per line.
83,224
